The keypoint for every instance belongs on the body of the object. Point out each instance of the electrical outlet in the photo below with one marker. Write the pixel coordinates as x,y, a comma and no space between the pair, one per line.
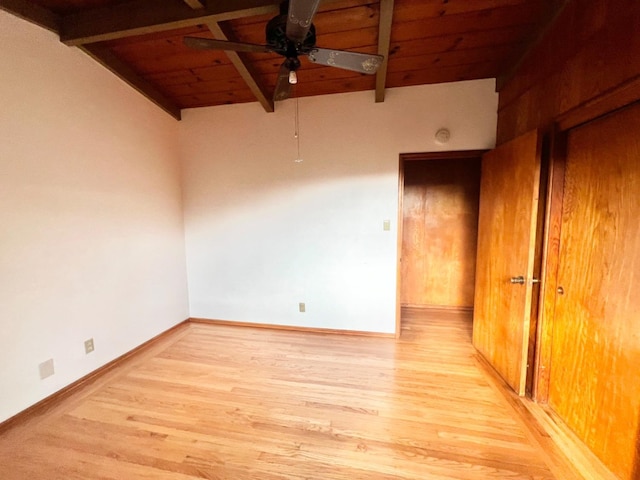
46,369
302,307
88,346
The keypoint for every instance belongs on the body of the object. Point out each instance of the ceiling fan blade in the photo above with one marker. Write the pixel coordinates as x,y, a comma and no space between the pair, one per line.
358,62
299,18
200,43
283,87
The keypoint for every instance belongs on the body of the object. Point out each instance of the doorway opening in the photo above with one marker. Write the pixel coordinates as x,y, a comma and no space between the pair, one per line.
438,227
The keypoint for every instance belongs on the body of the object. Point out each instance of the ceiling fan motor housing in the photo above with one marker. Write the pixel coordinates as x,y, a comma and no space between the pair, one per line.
292,34
276,37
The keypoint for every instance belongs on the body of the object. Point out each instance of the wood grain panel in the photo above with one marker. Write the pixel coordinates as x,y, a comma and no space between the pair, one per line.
440,228
209,73
592,48
458,41
224,402
66,6
506,248
442,74
157,38
472,21
171,62
494,55
408,10
594,380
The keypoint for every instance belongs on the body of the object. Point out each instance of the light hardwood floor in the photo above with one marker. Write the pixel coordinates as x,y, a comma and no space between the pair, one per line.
221,402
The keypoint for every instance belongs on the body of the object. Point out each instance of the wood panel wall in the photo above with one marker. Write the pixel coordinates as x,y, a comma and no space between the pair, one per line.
440,229
595,357
592,48
587,65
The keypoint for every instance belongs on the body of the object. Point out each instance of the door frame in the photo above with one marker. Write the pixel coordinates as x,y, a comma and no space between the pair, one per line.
410,157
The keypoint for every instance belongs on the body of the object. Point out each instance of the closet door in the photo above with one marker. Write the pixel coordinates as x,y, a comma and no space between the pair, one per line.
509,189
595,358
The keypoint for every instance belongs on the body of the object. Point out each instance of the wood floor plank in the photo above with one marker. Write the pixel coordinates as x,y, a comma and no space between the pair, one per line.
224,402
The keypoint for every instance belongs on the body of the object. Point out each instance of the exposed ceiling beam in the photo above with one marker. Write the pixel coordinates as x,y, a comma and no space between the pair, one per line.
195,4
32,13
384,41
244,68
138,17
122,70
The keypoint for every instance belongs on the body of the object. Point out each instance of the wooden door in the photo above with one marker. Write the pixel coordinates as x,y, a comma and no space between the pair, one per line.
439,231
595,355
509,189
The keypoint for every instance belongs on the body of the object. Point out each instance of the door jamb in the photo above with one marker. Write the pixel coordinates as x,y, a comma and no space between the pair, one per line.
549,269
408,157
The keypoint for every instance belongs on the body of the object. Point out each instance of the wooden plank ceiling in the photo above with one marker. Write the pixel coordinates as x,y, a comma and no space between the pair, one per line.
427,41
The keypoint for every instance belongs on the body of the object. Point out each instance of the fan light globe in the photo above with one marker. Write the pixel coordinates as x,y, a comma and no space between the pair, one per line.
293,77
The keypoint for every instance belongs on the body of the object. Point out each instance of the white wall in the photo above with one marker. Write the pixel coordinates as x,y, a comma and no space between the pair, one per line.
91,234
264,233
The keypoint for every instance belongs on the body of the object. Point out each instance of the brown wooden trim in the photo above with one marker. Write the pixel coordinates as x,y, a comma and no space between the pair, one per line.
608,101
529,46
445,308
384,42
106,57
399,247
409,157
289,328
55,398
583,460
33,13
566,455
244,68
560,464
550,263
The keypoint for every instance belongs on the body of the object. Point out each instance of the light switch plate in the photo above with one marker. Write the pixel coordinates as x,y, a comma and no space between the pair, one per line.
386,225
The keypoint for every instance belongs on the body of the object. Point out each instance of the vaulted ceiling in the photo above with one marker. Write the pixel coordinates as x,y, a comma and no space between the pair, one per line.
424,41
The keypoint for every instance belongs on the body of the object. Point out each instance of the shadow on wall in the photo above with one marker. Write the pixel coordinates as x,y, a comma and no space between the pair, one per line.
636,462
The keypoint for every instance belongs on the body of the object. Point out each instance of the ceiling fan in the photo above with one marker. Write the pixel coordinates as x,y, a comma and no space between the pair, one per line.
292,34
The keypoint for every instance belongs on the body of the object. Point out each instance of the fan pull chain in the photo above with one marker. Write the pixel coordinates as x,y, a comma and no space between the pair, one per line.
297,132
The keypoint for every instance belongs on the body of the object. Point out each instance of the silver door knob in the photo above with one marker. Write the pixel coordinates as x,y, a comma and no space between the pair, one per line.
519,279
